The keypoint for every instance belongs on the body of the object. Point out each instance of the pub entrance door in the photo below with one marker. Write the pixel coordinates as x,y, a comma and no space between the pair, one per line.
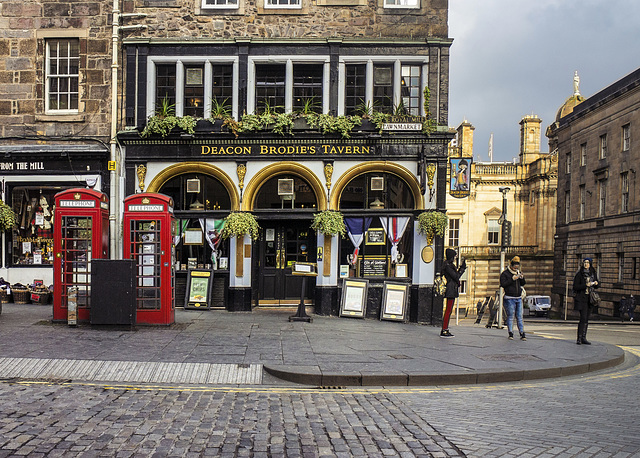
281,244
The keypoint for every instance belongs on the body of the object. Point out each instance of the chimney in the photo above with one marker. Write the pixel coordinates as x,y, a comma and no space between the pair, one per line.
465,138
529,139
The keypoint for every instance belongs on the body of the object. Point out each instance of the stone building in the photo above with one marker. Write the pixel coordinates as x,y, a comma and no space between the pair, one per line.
598,204
330,61
55,119
474,221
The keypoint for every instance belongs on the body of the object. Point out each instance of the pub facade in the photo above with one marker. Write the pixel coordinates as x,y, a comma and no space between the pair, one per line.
286,124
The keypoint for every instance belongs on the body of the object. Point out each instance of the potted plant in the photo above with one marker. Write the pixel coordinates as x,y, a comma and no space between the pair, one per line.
329,223
164,121
239,224
432,223
8,218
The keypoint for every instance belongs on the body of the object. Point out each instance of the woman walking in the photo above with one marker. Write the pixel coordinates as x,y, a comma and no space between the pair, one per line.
585,279
452,274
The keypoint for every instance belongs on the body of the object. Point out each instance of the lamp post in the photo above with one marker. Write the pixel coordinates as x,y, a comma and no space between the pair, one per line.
502,221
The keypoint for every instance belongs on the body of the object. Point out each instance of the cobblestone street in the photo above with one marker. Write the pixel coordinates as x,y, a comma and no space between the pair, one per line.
589,415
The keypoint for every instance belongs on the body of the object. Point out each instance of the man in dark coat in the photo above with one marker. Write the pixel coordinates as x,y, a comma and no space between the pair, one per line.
512,280
452,274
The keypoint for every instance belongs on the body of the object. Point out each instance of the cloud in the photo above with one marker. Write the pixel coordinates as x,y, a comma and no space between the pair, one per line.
513,58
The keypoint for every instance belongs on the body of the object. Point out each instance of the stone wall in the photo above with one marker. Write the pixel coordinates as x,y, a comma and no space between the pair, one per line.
24,27
316,19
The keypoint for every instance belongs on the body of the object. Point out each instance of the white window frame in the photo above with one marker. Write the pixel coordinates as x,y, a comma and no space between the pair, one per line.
48,76
583,154
401,4
626,137
180,62
492,223
289,62
396,61
603,146
224,6
290,6
454,232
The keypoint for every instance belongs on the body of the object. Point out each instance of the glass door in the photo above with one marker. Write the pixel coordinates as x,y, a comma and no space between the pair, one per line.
280,246
76,261
145,249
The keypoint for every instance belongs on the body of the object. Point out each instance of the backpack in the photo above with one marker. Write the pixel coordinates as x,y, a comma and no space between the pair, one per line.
440,284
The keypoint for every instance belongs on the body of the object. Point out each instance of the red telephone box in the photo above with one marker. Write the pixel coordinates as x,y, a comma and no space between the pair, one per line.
149,228
81,233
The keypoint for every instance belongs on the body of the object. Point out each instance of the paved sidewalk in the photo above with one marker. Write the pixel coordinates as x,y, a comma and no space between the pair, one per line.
330,351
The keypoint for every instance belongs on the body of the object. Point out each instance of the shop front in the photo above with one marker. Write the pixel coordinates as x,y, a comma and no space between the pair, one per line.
31,176
379,191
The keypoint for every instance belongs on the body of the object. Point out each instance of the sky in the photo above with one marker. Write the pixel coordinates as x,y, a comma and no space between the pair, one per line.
512,58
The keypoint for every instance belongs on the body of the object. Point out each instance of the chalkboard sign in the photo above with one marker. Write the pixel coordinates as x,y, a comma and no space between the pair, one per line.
374,266
199,286
376,236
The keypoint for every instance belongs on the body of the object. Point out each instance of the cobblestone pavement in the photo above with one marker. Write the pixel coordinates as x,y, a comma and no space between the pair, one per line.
589,415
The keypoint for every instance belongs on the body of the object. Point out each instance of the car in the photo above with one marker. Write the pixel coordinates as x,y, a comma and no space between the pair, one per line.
538,305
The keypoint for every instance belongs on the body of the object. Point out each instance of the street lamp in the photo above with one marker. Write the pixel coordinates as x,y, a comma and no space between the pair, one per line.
502,221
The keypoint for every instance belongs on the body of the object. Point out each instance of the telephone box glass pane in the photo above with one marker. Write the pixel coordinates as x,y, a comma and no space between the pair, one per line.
145,249
76,257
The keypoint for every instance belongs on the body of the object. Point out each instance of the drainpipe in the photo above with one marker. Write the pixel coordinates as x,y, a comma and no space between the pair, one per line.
115,199
114,188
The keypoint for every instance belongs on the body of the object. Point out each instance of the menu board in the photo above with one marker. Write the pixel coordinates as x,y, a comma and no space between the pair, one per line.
374,266
199,286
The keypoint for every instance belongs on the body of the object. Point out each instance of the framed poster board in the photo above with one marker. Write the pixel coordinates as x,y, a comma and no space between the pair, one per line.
394,301
376,236
199,286
193,237
402,271
354,297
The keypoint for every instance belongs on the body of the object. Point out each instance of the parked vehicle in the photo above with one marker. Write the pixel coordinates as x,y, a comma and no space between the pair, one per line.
538,305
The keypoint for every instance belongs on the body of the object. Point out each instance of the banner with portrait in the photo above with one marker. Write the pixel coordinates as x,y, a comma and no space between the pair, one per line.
460,171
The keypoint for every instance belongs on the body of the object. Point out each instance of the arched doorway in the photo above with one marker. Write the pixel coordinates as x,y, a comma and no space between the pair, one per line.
284,203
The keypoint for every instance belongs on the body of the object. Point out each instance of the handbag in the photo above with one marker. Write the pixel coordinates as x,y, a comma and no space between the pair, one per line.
594,298
440,284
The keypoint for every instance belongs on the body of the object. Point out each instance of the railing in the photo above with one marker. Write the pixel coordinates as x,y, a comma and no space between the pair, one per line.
495,169
494,250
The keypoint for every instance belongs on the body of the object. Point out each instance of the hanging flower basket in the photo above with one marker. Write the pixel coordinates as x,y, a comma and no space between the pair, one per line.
8,218
432,223
239,224
329,223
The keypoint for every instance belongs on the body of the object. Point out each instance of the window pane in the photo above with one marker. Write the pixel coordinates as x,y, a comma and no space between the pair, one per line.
410,89
270,86
62,74
223,84
303,196
194,91
165,85
358,194
383,88
355,88
307,87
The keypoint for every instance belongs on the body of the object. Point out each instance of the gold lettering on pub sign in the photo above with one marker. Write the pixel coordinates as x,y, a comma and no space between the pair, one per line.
285,150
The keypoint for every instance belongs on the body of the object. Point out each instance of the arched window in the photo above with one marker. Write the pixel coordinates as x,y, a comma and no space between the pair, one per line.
285,192
197,192
376,190
380,235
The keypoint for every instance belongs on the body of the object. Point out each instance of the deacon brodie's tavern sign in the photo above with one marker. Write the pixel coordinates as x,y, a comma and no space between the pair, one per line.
286,150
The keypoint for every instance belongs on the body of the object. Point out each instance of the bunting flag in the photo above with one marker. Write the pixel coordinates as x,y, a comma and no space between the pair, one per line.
356,228
212,229
394,227
182,225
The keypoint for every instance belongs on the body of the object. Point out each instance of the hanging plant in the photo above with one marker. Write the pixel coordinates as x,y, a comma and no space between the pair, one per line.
8,218
432,223
329,222
239,224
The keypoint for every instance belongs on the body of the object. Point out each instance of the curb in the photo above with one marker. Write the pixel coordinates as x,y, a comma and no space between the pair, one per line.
313,375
